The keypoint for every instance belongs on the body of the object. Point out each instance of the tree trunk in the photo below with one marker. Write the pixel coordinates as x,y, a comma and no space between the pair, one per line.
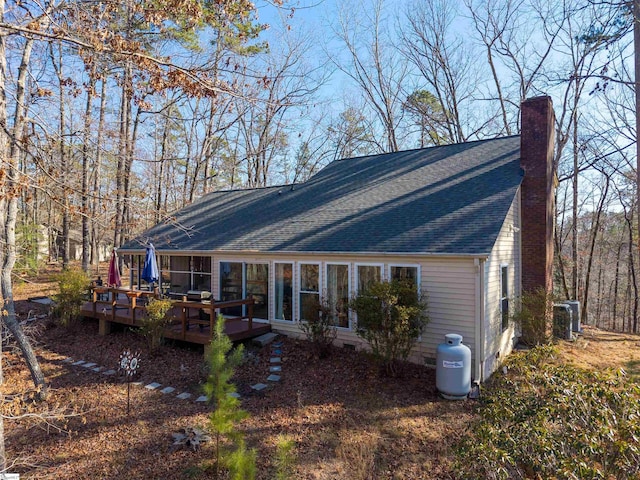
64,161
85,171
636,56
592,246
574,210
95,253
123,145
616,284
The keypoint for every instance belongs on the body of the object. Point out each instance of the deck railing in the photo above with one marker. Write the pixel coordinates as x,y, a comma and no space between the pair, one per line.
136,301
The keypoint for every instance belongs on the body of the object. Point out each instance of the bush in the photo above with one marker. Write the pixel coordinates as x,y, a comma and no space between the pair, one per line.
532,316
549,420
318,327
74,286
391,317
155,321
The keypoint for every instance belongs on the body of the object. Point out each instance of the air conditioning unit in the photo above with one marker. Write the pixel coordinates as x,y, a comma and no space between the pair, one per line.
576,326
562,321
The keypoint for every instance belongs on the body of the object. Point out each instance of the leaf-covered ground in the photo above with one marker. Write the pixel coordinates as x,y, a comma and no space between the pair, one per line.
346,421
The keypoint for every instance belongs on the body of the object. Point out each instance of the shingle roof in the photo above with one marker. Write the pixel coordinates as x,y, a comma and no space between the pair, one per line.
441,200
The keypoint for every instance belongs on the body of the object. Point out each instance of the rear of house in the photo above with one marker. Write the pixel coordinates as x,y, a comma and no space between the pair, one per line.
449,218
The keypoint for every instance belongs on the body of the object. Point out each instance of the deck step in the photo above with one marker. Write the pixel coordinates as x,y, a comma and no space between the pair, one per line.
265,339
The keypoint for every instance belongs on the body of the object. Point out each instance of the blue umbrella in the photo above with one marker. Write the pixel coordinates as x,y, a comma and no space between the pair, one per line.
150,269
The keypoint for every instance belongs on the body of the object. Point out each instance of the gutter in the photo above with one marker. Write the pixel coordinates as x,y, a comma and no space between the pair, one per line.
159,251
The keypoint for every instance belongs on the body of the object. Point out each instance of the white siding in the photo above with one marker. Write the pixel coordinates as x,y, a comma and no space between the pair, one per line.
450,286
449,283
506,251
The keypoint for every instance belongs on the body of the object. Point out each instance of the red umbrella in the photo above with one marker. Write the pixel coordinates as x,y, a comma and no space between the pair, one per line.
113,279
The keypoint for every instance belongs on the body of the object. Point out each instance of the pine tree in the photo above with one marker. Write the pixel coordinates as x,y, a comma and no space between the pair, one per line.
223,360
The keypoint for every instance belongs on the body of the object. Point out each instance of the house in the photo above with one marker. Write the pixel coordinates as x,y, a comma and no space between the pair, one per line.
470,223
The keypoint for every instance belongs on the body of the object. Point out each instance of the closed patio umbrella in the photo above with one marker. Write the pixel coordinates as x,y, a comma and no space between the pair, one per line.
150,269
113,278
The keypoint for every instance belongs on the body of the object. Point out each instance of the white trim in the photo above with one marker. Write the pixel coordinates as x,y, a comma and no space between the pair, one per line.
406,265
357,276
294,302
326,287
298,288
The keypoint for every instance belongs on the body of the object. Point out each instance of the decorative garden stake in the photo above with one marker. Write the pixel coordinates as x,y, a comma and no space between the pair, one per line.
129,363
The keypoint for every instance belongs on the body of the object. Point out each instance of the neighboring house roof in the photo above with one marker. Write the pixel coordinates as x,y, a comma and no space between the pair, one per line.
448,200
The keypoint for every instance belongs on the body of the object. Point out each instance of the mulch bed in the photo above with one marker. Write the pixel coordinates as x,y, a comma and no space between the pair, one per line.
347,420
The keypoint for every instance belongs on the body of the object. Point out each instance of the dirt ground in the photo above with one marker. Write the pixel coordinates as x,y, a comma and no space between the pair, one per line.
345,419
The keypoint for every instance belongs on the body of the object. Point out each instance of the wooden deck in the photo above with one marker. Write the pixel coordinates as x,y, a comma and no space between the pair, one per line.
191,322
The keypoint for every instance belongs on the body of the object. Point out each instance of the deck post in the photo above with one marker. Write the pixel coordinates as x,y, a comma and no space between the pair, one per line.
250,312
95,306
212,315
114,300
184,322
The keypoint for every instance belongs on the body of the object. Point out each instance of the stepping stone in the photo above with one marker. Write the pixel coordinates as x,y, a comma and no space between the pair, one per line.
278,344
277,351
275,360
67,360
234,395
137,384
152,386
79,362
259,386
276,368
98,369
109,372
184,396
89,365
168,390
273,378
265,339
202,399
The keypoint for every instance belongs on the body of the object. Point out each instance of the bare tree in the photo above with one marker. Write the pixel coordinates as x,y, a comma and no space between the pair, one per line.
374,65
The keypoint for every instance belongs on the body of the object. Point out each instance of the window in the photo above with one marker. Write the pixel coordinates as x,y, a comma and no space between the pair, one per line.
284,291
201,267
338,294
309,287
243,280
179,274
404,272
504,295
257,286
367,276
231,282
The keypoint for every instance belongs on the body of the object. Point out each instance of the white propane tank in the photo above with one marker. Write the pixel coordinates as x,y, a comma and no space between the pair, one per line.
453,368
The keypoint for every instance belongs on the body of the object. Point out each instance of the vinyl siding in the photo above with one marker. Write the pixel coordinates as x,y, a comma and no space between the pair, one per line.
506,251
449,284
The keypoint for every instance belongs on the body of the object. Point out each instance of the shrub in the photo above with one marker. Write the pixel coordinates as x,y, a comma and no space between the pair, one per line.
391,317
223,361
318,327
74,286
155,321
532,316
549,420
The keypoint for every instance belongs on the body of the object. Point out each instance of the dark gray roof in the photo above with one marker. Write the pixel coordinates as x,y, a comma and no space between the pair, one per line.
441,200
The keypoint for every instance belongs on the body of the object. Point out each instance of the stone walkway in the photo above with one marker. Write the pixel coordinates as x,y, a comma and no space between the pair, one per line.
275,372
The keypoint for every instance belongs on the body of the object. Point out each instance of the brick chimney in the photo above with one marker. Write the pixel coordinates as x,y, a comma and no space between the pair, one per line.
537,141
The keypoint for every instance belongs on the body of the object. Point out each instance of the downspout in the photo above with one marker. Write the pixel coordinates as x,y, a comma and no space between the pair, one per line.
480,323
